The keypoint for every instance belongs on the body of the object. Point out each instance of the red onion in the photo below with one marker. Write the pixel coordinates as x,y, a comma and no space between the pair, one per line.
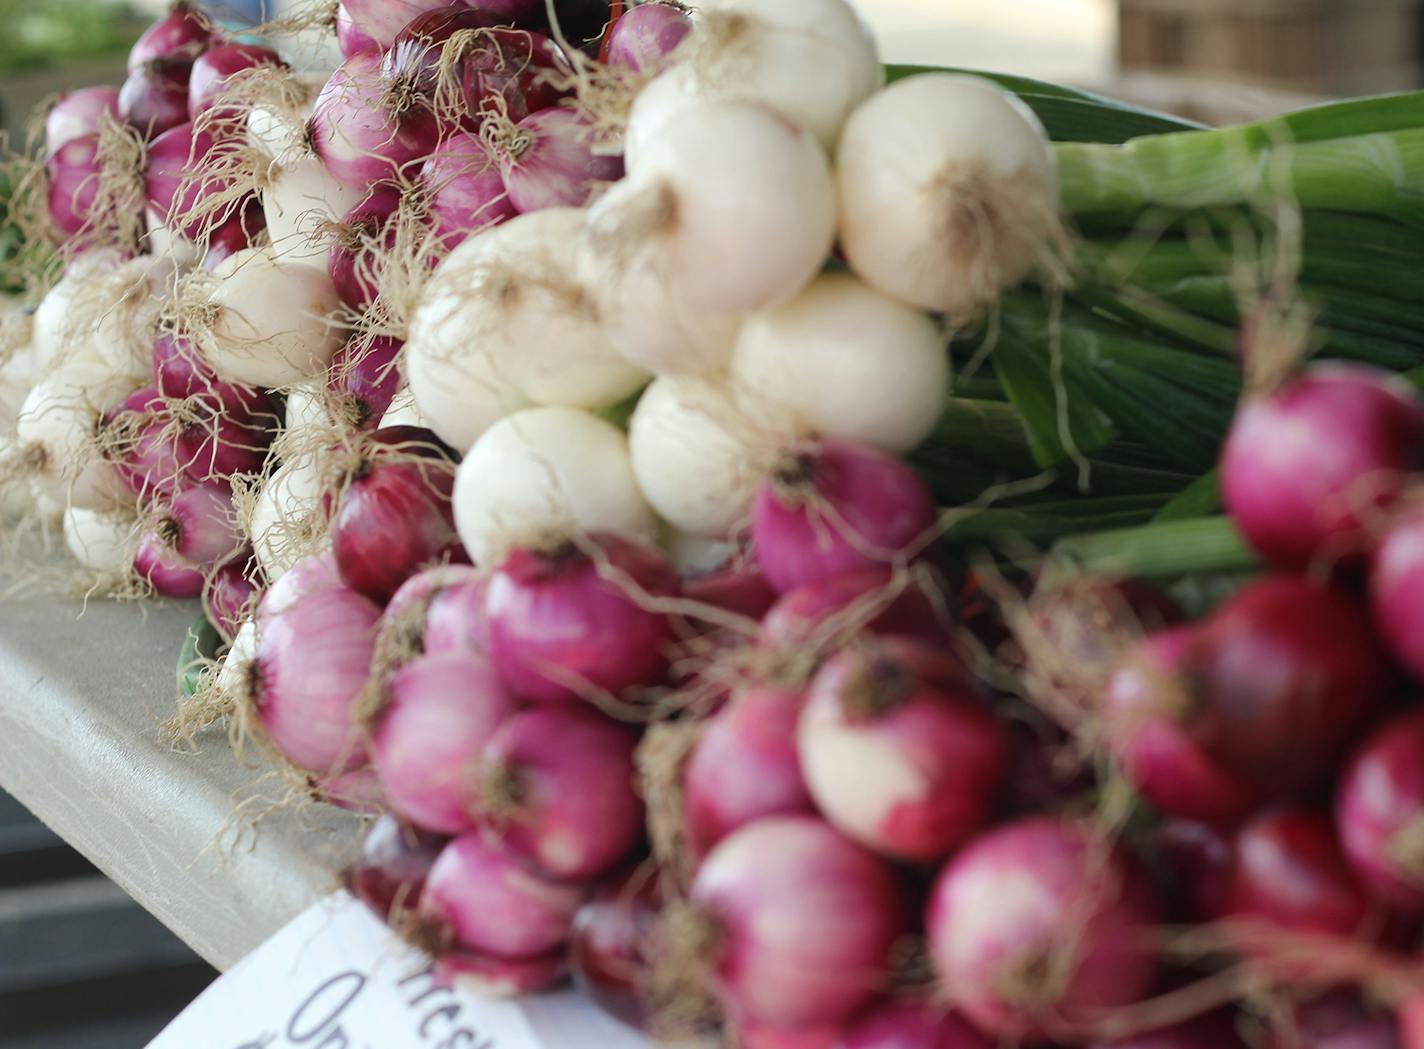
394,517
563,623
826,606
358,790
558,790
492,905
74,171
1338,1020
929,761
750,1035
612,936
802,922
643,37
363,379
441,712
445,609
1197,861
358,253
465,188
913,1024
527,13
1396,583
237,233
1289,871
197,530
1144,702
832,507
380,21
154,98
79,113
313,657
177,186
734,587
315,573
745,766
214,68
492,977
1216,1030
1037,926
1283,677
356,133
228,596
184,33
510,70
350,37
395,860
547,160
178,369
1379,813
148,460
1356,435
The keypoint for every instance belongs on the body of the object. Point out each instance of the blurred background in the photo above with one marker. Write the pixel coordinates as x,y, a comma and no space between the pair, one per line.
81,967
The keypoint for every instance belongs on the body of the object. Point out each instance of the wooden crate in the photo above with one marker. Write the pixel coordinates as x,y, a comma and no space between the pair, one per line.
1324,46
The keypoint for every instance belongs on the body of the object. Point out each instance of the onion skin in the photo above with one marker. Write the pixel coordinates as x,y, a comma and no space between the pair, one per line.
364,380
455,620
442,711
173,158
1285,659
215,67
492,905
801,615
610,951
1000,910
558,625
183,33
198,529
1379,813
745,767
73,183
351,38
1289,872
1142,706
313,657
1396,583
1339,1019
354,261
394,863
575,814
644,37
394,517
228,594
466,189
805,921
552,164
79,113
491,977
1362,433
834,507
354,131
178,369
154,98
930,759
913,1024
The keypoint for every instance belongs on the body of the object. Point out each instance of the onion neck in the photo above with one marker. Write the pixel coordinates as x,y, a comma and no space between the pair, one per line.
877,687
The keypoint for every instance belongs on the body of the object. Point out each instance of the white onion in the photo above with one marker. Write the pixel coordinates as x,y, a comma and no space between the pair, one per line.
267,322
693,554
306,406
231,678
544,475
123,312
59,424
405,412
282,519
812,61
947,192
701,448
163,243
62,323
278,127
103,541
298,202
732,205
510,309
849,362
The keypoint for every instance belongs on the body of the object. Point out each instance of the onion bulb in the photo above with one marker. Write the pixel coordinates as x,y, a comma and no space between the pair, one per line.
543,476
947,192
850,363
101,540
700,448
266,321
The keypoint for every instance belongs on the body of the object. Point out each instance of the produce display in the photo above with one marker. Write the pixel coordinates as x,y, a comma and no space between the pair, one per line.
825,555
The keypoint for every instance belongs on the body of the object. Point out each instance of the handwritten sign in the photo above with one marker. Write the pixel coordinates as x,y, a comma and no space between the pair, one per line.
337,978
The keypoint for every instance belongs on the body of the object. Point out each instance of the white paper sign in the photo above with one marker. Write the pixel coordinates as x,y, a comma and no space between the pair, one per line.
337,978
